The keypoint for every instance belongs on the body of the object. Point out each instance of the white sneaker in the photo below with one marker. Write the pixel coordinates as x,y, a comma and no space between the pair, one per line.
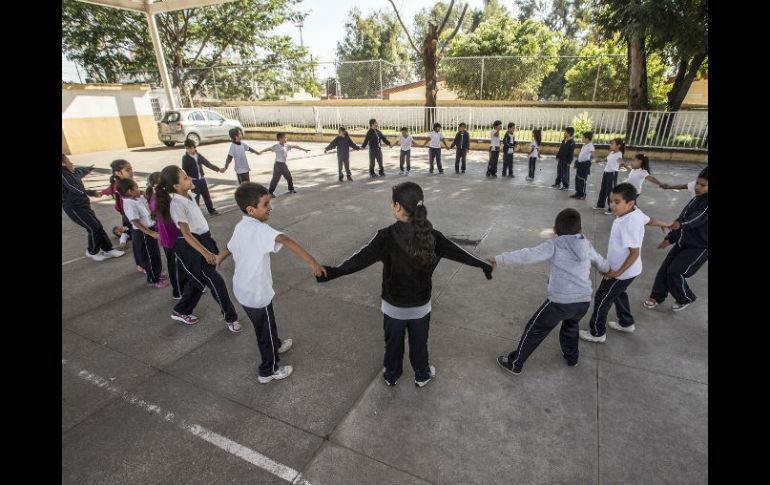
113,253
96,257
432,371
285,345
620,328
586,335
282,373
401,172
678,307
597,208
408,172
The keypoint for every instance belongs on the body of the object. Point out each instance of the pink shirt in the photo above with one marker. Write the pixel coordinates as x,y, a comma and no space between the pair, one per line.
167,231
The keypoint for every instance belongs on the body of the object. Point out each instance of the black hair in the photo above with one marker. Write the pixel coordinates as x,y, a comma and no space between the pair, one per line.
152,179
117,166
188,143
404,128
567,222
279,135
420,241
248,194
704,174
570,131
343,129
619,142
538,135
461,124
63,157
371,122
645,161
124,185
589,135
626,191
169,177
436,125
233,132
115,231
496,122
511,125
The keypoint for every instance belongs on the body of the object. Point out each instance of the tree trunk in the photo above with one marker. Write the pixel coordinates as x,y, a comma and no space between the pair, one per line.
637,126
429,63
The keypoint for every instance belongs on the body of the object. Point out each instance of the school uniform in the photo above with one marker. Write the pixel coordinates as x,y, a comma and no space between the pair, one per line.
434,150
280,169
509,142
113,191
373,139
583,169
636,178
238,152
406,292
251,244
193,167
138,209
570,258
609,178
343,144
564,157
494,153
534,153
406,152
198,273
689,251
167,236
77,206
627,232
462,142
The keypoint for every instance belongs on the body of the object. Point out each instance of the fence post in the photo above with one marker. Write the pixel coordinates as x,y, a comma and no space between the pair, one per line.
598,69
481,89
381,87
317,115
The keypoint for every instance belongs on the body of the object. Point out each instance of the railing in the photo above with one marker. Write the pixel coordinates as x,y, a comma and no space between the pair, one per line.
686,129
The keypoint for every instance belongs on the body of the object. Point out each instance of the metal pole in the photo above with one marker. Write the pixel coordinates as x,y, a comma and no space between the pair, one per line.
160,60
381,88
481,89
596,83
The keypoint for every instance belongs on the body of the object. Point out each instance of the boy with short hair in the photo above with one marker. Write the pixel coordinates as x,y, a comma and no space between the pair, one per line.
463,143
192,164
281,150
237,152
509,142
564,158
250,245
343,143
405,140
583,166
434,151
494,148
373,138
624,254
570,256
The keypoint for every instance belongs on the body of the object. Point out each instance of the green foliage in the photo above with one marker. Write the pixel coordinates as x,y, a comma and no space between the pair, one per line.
582,123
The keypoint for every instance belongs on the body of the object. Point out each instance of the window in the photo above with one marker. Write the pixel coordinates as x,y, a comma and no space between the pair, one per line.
212,116
171,117
195,116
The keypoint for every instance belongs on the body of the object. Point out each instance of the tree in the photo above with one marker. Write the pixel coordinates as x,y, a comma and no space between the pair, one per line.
567,16
517,78
111,43
366,38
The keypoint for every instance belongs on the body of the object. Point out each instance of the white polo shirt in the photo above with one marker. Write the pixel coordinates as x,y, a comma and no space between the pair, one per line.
251,245
184,209
627,232
494,139
613,162
636,178
585,152
406,143
281,152
435,139
533,150
238,152
138,209
691,188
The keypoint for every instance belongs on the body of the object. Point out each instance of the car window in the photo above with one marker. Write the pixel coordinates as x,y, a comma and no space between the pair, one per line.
171,116
212,116
195,116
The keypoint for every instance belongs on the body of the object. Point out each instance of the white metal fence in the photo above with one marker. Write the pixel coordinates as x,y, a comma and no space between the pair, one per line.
688,129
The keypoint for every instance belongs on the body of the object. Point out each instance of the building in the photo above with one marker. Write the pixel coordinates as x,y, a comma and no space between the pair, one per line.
698,94
416,90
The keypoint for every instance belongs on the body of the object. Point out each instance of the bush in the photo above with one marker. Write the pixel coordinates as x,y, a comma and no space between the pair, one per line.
582,123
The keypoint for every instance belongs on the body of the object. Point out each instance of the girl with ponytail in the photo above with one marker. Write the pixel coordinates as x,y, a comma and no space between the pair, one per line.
639,171
410,249
167,232
122,169
610,175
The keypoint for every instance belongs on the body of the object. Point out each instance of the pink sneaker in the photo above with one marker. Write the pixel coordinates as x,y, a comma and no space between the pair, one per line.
234,327
163,276
140,269
160,284
188,319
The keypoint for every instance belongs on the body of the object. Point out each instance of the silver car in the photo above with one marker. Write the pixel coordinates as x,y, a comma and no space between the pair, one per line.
194,124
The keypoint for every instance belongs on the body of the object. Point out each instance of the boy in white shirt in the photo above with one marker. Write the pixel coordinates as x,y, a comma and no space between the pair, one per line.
143,232
625,258
281,150
434,137
494,148
405,140
251,244
237,152
583,166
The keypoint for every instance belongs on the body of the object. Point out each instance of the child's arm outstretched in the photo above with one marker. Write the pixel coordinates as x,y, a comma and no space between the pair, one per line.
227,163
331,145
365,257
537,254
299,148
677,186
447,249
655,181
295,248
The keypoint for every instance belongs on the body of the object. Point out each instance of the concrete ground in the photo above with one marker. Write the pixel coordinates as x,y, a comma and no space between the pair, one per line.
146,399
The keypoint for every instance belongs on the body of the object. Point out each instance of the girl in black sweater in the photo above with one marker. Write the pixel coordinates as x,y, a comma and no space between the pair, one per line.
409,250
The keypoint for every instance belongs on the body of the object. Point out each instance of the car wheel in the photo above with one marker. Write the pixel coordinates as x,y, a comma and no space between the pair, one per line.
195,138
169,143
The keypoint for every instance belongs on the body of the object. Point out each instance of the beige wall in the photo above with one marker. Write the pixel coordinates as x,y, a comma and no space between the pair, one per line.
98,117
698,93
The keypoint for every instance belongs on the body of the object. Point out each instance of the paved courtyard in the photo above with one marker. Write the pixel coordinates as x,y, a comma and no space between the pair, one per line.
146,399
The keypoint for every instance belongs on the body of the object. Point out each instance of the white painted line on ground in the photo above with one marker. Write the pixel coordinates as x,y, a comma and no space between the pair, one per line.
73,260
236,449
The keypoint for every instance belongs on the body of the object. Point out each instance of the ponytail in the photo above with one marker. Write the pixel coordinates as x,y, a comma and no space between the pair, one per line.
169,177
621,145
420,243
152,179
645,161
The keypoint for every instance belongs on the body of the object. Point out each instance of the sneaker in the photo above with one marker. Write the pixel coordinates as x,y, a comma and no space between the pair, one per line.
96,257
113,253
163,276
401,172
234,327
382,173
650,303
160,284
350,179
188,319
272,195
408,173
214,212
574,196
620,328
285,346
586,335
387,382
572,365
529,179
176,296
506,364
582,197
292,191
431,170
494,175
457,172
678,307
204,290
596,207
283,372
565,189
432,371
372,175
608,212
555,186
441,172
140,269
511,175
342,178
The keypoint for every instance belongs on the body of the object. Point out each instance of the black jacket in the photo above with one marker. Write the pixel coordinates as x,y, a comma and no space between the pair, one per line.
373,138
694,224
195,169
343,144
509,141
73,193
462,141
405,283
566,150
